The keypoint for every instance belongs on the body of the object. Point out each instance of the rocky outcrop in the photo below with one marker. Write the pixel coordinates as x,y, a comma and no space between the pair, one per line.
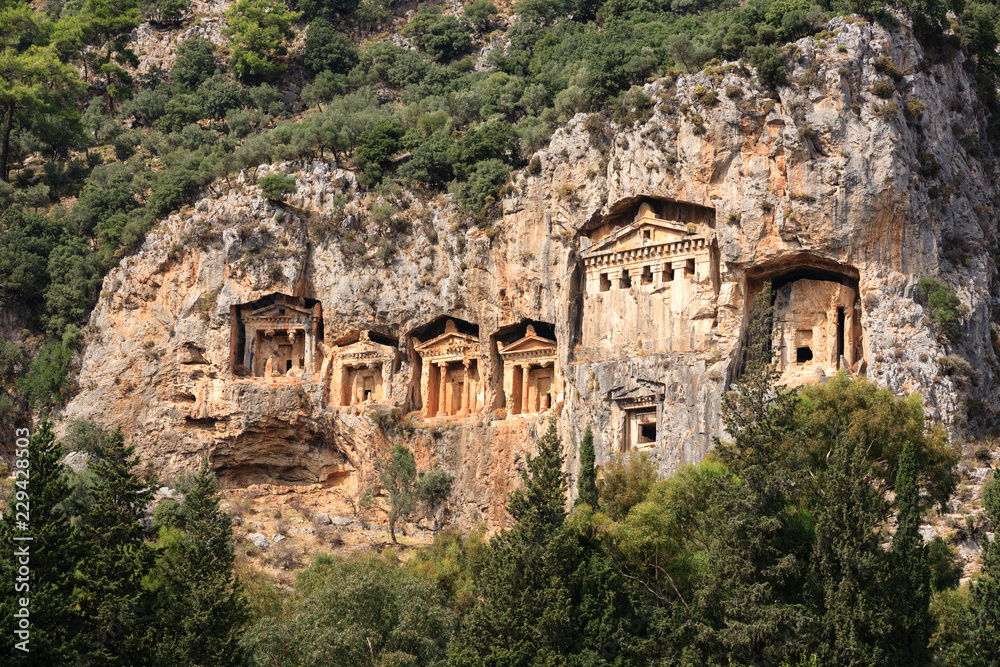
689,209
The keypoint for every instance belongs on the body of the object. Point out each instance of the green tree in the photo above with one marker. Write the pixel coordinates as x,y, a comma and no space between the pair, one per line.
36,84
199,610
397,478
985,591
276,186
769,61
850,568
56,628
624,483
548,593
911,575
195,62
46,380
116,557
259,30
363,610
441,36
586,483
541,501
328,50
751,598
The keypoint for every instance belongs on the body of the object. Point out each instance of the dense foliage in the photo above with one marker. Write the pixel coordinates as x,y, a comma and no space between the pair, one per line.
104,589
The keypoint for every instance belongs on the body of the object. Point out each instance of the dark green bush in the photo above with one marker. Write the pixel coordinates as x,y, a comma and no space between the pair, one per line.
328,50
769,61
167,514
432,162
195,63
440,36
276,186
483,187
47,379
944,307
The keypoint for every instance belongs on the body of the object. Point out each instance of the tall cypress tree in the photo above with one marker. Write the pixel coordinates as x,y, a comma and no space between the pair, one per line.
542,501
53,551
849,565
985,591
750,608
548,593
200,609
911,578
113,602
586,481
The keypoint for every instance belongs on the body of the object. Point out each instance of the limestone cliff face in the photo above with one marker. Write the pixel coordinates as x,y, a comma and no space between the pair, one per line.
635,249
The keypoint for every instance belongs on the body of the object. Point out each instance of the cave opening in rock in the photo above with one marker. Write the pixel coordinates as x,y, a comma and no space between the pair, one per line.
803,354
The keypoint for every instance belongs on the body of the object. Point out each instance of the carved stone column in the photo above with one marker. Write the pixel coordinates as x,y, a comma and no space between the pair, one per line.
525,375
443,389
466,405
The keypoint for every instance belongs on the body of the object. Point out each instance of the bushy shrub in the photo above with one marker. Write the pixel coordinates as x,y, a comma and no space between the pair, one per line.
483,187
48,376
769,61
441,36
944,308
167,514
328,50
276,186
883,90
195,62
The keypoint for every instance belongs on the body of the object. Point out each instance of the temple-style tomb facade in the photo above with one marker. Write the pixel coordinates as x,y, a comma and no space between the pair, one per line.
362,366
529,380
276,337
650,281
450,381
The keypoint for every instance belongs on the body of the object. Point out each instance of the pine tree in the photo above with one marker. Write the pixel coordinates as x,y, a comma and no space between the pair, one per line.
985,591
911,572
200,608
53,552
586,482
116,556
542,501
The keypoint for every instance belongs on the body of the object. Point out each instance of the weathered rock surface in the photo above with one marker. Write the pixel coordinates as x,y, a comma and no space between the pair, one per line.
825,181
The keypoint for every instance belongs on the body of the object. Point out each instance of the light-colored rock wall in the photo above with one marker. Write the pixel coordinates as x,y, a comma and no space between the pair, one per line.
823,179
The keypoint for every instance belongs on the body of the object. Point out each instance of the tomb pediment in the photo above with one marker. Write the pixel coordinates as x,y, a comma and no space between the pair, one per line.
451,344
281,316
362,349
638,394
645,232
532,346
